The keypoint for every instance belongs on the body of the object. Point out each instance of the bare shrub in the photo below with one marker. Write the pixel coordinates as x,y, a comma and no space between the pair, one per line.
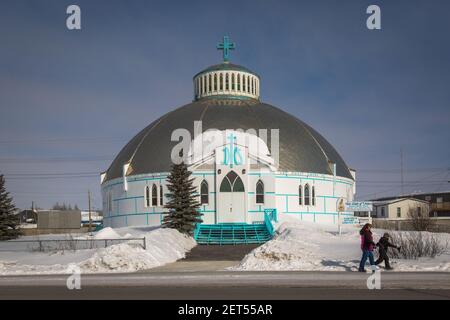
417,244
420,222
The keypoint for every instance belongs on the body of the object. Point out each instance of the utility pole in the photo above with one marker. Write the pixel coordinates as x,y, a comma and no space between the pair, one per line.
89,204
401,170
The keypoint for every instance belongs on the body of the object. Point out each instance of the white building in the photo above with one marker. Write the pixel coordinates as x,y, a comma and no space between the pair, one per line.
246,156
400,209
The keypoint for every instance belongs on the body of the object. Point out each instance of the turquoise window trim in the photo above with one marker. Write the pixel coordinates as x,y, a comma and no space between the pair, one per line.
128,198
314,212
148,213
313,179
267,192
203,173
259,174
328,197
118,181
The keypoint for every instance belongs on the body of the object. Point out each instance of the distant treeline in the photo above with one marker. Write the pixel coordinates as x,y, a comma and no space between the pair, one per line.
64,207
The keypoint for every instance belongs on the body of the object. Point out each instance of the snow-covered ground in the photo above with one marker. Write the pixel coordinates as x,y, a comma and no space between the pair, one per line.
312,247
297,246
163,246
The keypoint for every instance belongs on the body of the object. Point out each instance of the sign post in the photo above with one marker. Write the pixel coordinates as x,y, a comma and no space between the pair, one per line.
340,206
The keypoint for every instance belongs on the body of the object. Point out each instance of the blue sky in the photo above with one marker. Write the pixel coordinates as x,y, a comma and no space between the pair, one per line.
70,100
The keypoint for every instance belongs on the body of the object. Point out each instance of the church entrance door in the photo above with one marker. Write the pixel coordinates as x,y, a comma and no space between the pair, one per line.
231,199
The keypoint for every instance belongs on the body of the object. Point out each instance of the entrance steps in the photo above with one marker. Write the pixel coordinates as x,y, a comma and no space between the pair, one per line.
232,233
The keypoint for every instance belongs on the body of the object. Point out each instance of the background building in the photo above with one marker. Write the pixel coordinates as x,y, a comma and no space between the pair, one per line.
402,208
64,220
439,202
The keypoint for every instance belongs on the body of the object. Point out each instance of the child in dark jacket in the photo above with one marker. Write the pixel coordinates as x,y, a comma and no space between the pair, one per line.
367,246
383,246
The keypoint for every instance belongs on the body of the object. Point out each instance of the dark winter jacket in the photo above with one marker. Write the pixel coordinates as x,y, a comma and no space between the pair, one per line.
366,239
384,243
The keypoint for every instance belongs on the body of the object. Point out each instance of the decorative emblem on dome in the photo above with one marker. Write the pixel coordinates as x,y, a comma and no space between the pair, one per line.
226,45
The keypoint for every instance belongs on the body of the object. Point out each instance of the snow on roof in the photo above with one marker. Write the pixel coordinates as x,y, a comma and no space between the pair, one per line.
387,202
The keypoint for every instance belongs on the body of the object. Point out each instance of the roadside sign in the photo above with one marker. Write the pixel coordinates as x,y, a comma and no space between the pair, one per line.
350,220
352,206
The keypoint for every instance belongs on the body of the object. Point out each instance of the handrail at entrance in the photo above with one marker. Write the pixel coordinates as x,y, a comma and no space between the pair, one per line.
269,216
196,230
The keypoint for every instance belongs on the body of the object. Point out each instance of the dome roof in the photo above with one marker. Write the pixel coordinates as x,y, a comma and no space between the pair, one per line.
301,148
226,66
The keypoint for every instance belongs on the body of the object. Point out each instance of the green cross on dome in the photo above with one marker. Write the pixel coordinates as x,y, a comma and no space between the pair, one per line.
226,45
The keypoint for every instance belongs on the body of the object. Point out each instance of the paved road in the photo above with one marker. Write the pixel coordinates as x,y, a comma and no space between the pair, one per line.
229,285
219,253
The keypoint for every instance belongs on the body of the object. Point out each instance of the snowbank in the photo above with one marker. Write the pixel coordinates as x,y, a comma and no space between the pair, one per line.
107,233
163,246
313,247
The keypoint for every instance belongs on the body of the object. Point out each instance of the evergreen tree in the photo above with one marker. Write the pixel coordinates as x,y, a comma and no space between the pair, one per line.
9,222
183,203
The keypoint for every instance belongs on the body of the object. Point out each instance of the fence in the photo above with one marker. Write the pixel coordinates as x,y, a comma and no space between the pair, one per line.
49,245
437,224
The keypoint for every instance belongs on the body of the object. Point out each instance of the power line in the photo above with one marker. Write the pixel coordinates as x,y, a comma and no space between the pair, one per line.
378,170
55,159
49,174
58,140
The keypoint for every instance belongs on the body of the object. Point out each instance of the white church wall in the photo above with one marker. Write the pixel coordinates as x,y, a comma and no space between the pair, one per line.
208,211
280,192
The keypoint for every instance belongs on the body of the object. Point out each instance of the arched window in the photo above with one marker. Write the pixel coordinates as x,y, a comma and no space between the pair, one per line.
238,82
215,81
147,196
221,82
204,193
248,84
300,195
161,196
307,198
313,195
232,183
260,192
154,195
244,81
209,83
227,82
232,82
204,84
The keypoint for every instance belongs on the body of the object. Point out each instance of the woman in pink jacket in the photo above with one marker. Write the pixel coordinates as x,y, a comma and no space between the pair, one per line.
367,246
